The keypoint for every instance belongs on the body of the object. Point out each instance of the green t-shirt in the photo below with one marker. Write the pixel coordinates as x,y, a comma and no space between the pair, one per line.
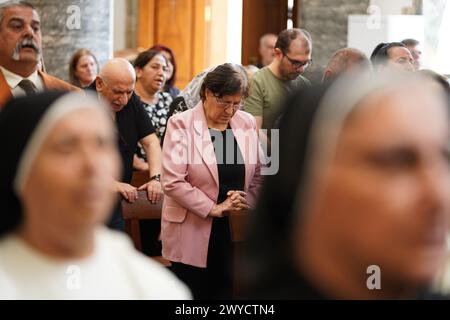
268,93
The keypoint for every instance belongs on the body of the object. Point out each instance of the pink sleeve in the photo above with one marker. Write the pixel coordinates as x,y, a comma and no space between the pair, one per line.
174,170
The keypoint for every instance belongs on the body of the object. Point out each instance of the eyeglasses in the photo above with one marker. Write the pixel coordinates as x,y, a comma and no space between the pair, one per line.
296,63
226,105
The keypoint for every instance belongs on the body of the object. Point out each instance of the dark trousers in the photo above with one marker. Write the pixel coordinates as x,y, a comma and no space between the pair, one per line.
116,221
150,230
216,280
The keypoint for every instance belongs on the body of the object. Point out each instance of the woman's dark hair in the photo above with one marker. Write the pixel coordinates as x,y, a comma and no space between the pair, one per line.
74,62
225,80
145,57
159,47
380,54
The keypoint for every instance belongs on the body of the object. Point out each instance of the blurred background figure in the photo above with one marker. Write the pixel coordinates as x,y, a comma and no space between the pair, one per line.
416,51
266,49
344,60
199,194
358,210
55,181
171,72
392,56
83,68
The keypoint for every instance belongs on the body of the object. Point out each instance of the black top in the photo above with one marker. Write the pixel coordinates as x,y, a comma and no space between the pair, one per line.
133,124
230,163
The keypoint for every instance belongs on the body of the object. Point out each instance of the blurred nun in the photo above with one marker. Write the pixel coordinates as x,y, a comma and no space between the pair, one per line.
360,207
58,163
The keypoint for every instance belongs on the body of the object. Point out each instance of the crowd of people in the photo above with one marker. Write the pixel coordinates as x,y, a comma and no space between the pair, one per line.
362,185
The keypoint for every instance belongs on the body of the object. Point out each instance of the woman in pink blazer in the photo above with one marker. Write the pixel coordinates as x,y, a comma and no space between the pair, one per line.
210,166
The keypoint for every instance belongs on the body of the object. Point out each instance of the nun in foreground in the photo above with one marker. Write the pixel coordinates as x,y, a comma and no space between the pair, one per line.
360,207
58,162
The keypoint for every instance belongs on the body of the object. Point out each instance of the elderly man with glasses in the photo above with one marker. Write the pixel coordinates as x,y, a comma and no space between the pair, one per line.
273,83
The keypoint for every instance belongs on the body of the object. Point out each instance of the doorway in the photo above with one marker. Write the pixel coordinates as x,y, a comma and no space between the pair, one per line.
261,17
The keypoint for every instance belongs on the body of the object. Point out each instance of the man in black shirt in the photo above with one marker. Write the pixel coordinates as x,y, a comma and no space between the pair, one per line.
115,84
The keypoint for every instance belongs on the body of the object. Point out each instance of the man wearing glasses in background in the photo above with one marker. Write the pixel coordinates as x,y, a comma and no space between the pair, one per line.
273,83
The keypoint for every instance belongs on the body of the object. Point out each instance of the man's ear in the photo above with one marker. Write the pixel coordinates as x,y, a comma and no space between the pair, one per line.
99,84
278,53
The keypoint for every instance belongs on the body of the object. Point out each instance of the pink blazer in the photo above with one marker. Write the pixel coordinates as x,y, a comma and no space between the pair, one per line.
191,183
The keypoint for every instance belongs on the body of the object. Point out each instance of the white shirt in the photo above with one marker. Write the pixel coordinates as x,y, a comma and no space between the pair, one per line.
13,81
114,271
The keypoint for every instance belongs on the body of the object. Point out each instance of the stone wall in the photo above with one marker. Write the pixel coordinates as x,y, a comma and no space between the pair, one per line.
132,23
327,22
70,25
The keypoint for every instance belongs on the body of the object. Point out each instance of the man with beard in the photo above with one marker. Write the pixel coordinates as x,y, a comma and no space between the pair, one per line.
20,53
273,83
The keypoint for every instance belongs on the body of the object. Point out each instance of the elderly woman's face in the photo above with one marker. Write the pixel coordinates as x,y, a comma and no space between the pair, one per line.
70,181
385,200
221,110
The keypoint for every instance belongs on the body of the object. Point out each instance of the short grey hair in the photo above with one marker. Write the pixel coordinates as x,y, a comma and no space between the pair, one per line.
13,3
266,36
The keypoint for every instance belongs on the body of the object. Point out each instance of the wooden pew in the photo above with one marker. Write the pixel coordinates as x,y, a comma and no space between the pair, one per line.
141,209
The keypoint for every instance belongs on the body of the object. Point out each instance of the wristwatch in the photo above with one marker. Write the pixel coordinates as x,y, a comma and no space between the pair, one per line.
156,177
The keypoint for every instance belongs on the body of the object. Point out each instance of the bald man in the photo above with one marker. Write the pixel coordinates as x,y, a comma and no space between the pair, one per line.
344,60
266,49
115,83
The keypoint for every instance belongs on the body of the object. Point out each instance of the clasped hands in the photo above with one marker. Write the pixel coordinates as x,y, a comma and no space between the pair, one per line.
235,202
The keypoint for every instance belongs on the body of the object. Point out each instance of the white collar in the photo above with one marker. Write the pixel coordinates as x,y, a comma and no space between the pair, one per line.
13,79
